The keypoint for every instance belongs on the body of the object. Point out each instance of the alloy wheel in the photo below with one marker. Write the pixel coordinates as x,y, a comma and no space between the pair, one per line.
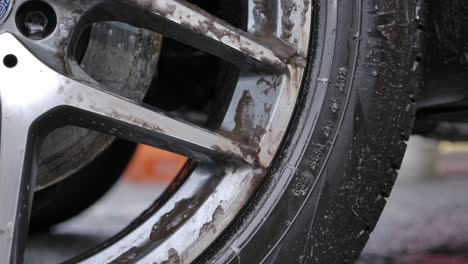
43,88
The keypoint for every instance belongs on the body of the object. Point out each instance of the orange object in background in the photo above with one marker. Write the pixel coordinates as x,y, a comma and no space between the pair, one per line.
152,165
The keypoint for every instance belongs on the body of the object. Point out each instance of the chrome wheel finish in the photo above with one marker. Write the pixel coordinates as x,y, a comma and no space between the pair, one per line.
228,162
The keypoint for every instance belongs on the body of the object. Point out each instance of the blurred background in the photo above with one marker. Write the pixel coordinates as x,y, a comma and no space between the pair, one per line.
425,220
426,217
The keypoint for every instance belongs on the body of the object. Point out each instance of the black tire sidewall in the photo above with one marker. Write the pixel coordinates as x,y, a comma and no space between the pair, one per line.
328,186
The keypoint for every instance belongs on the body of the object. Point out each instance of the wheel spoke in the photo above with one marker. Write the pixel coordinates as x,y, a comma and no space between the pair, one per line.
64,101
191,25
16,179
98,110
20,108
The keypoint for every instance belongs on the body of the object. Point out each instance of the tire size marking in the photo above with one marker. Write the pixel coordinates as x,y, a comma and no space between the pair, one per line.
305,179
341,79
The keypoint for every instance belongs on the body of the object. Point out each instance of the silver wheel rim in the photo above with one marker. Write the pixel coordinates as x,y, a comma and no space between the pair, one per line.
229,163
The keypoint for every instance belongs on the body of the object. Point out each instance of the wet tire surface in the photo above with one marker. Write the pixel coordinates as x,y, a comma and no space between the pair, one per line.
330,181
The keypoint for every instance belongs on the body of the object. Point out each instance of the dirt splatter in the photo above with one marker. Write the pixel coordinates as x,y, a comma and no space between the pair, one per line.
172,220
129,256
287,23
173,258
210,225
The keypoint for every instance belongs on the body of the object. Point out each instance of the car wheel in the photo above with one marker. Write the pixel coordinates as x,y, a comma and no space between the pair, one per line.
292,161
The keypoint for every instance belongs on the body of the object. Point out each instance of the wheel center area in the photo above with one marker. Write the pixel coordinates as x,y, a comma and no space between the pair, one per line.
5,9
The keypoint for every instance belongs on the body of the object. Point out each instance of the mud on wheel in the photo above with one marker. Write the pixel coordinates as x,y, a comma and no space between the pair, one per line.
293,114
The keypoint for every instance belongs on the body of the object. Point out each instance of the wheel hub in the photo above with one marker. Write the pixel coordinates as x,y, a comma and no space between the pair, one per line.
5,9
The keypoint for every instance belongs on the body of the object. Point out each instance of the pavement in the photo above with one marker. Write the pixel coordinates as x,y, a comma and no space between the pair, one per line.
425,221
426,217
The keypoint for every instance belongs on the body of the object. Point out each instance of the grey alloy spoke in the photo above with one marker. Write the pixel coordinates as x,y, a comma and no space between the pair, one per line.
99,110
20,108
189,24
16,179
70,102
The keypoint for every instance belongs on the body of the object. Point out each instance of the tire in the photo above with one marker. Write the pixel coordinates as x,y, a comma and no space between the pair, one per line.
338,163
76,193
